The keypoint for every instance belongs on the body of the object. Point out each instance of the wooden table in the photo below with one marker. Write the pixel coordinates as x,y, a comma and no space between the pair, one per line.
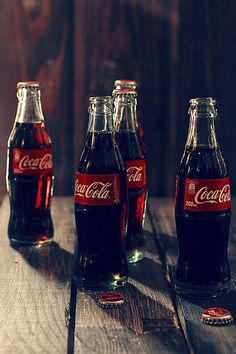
42,313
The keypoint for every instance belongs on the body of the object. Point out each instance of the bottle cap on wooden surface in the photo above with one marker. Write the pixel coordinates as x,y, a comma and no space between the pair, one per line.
216,316
111,300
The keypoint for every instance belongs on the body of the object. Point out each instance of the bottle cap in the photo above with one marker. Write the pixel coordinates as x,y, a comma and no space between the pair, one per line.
111,300
216,316
120,84
124,91
28,84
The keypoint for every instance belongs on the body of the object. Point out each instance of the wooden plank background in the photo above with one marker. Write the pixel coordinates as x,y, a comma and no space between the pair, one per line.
175,49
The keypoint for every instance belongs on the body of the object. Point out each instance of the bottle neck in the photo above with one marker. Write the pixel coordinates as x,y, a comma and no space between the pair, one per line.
101,115
202,133
125,116
202,125
29,109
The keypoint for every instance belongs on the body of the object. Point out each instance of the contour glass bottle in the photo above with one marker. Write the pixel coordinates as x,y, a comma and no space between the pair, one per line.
133,155
29,171
203,208
100,204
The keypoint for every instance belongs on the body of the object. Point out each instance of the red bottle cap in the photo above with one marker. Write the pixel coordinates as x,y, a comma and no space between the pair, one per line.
111,300
125,84
28,84
216,316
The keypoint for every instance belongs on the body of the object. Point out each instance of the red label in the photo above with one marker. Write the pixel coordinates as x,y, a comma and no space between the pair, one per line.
207,194
97,189
32,162
136,173
216,312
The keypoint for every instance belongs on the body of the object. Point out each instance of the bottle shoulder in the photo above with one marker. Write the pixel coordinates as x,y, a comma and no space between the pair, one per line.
101,156
202,163
29,136
129,146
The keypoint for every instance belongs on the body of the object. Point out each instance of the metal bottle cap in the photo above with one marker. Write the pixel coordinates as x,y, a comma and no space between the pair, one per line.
125,91
28,84
111,300
216,316
120,84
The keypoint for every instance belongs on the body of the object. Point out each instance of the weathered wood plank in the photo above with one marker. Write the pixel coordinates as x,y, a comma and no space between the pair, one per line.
35,287
146,323
36,44
201,337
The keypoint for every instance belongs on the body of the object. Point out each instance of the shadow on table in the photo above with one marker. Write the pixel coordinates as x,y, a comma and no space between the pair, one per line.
144,319
152,270
52,261
226,301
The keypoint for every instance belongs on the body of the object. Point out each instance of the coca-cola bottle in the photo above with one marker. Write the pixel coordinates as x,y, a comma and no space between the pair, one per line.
29,171
132,85
100,204
202,208
133,155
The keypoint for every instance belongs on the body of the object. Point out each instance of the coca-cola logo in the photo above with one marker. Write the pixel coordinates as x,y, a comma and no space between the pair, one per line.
31,163
96,190
207,194
213,312
204,195
134,174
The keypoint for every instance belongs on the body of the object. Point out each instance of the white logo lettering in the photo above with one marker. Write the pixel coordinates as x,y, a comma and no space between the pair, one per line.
213,196
134,174
96,190
31,163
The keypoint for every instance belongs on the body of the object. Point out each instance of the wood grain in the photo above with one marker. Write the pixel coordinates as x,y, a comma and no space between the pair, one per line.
201,338
120,39
175,50
36,44
35,287
147,323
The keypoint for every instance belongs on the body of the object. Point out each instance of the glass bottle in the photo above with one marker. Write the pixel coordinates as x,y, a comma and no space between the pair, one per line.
131,86
29,171
100,204
133,155
203,208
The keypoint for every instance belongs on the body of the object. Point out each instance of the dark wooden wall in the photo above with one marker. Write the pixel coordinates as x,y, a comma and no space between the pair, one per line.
175,49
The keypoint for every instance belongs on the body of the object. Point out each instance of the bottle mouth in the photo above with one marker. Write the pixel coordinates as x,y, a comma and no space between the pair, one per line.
100,99
203,107
100,105
203,100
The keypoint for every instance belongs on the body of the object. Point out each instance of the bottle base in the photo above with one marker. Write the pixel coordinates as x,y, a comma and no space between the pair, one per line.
43,240
135,255
201,292
88,284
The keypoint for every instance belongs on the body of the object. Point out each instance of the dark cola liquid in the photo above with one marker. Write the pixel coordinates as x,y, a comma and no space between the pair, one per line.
202,268
141,137
30,195
100,256
131,149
